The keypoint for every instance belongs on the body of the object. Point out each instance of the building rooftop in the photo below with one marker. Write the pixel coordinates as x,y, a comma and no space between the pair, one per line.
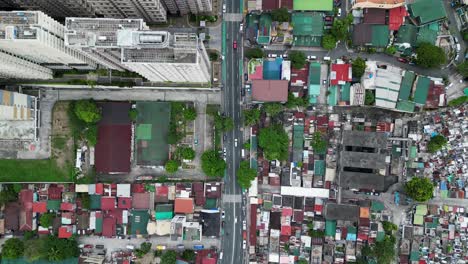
374,16
270,90
385,4
340,73
426,11
362,181
316,5
341,212
183,205
364,139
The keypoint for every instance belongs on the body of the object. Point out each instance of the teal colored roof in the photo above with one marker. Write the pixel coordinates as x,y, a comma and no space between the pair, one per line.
139,221
377,206
379,35
406,85
98,225
94,202
466,91
395,151
422,90
414,256
315,5
307,24
346,92
330,227
426,11
53,204
298,142
332,100
264,29
413,152
164,215
427,34
314,82
407,34
352,230
319,167
406,106
380,236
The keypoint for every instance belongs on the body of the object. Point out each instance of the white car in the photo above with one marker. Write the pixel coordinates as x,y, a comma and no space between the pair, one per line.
235,142
224,8
244,244
241,26
310,57
244,225
223,215
339,12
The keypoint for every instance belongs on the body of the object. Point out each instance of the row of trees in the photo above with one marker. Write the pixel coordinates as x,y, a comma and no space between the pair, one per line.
338,32
84,115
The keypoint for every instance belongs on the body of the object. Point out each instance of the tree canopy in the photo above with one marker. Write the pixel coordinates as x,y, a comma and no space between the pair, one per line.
145,247
429,56
33,249
459,101
186,153
91,134
274,142
419,189
251,116
436,143
212,164
359,67
463,69
190,113
318,143
223,123
245,175
12,248
298,59
169,257
340,27
87,111
294,101
254,53
171,166
369,99
46,220
280,15
188,255
133,114
328,42
273,109
384,251
8,194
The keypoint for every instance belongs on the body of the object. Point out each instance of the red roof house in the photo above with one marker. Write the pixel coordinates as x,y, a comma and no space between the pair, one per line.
141,200
65,231
268,5
397,17
124,202
39,207
25,220
286,230
107,203
26,198
108,227
99,188
270,90
340,74
287,212
54,192
67,207
183,205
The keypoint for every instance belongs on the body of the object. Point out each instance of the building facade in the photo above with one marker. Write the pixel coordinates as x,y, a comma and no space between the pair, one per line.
184,7
18,68
152,11
58,9
36,37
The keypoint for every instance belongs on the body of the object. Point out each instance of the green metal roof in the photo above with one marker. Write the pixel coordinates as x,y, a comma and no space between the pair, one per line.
139,221
94,202
298,137
414,256
413,152
314,5
352,230
308,41
407,34
330,227
164,215
98,225
421,209
380,236
377,206
332,100
53,205
418,219
346,92
164,211
264,29
307,24
319,167
427,10
406,85
406,106
422,90
379,35
143,132
426,34
396,151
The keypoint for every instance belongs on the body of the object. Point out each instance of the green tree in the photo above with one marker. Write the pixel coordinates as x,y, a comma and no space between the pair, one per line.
384,250
190,114
389,227
459,101
87,111
251,117
429,56
419,189
245,174
280,15
318,143
294,101
228,124
169,257
302,261
171,166
186,153
328,42
391,50
247,145
366,251
436,143
298,59
46,219
274,141
60,249
212,164
316,233
34,249
188,255
8,194
273,109
145,248
133,114
254,53
91,134
369,98
359,67
13,248
463,69
340,29
214,56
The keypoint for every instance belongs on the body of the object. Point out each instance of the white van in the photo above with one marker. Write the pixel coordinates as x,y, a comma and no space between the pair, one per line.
326,58
458,47
221,255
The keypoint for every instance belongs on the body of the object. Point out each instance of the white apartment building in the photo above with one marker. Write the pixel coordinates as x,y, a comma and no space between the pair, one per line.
18,68
150,10
98,38
199,6
161,57
184,7
58,9
36,37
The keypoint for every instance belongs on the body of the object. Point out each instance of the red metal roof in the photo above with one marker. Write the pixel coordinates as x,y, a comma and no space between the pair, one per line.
286,230
287,212
107,203
287,3
113,148
99,188
39,207
116,214
298,216
55,193
340,73
253,225
25,220
65,232
108,227
433,97
270,90
124,202
141,200
183,205
138,188
374,16
268,5
397,17
162,191
26,198
67,207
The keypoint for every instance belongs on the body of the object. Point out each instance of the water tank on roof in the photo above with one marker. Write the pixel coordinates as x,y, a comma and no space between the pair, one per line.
151,39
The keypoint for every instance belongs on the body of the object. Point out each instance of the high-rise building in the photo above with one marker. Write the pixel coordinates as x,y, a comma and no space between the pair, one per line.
58,9
36,37
98,37
184,7
161,57
18,68
199,6
150,10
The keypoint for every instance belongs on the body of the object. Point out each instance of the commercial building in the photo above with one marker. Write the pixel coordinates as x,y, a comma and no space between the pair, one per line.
98,37
36,37
161,57
19,116
58,9
184,7
151,11
385,4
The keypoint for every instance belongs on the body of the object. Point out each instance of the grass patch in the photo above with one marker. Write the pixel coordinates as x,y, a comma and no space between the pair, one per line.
59,142
33,171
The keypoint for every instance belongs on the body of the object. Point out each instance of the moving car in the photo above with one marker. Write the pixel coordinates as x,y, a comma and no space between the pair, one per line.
310,57
241,26
160,247
235,142
244,225
198,247
223,215
224,8
244,244
234,44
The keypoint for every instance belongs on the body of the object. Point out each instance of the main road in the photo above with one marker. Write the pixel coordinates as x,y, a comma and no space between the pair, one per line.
232,240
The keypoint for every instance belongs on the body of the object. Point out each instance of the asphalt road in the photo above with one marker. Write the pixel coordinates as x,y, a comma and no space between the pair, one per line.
232,240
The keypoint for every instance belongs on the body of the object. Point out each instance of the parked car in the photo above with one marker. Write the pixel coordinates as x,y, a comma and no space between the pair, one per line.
244,244
224,8
88,246
310,57
402,60
160,247
223,215
144,178
244,225
234,44
339,12
100,246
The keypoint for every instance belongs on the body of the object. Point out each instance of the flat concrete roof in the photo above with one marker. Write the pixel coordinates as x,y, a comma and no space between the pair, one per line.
366,181
365,139
362,160
346,212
